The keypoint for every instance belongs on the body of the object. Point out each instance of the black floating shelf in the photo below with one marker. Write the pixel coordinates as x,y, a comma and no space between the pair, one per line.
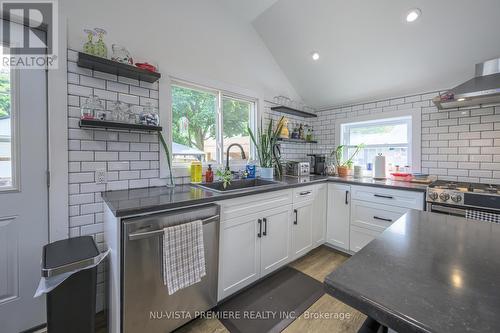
90,123
295,112
112,67
296,140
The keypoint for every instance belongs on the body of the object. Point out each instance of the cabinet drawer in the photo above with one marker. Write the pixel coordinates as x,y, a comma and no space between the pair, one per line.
304,193
399,198
257,203
360,237
374,216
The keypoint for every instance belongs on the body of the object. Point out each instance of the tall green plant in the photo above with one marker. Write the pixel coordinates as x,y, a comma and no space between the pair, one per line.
338,153
169,158
265,143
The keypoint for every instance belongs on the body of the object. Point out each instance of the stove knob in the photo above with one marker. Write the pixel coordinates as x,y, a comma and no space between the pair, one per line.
456,197
433,195
444,196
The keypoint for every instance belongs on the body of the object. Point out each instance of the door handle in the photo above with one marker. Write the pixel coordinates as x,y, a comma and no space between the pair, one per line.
260,228
346,195
296,217
382,219
305,193
383,196
265,227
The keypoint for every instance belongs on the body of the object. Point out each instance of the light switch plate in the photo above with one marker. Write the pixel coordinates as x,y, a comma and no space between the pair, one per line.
101,177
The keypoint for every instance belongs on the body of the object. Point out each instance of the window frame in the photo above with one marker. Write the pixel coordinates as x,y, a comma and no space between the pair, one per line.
14,135
413,117
220,95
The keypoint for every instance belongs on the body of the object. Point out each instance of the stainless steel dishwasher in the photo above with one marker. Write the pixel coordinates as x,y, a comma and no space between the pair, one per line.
146,305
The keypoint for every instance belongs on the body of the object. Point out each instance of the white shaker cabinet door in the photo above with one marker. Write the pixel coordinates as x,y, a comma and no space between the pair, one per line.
319,215
338,219
239,253
275,240
302,228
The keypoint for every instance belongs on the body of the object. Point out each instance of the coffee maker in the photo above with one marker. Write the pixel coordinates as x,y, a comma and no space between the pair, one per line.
317,164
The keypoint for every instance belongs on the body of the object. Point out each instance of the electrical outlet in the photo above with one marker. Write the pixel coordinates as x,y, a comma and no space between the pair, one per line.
101,177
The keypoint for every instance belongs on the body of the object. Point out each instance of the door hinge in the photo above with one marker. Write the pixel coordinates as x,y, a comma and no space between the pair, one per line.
48,178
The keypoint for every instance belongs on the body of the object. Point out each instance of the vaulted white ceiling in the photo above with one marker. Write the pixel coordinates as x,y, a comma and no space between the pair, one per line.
367,49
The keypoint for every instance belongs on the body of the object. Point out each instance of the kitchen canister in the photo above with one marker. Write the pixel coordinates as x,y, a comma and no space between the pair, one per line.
357,171
379,167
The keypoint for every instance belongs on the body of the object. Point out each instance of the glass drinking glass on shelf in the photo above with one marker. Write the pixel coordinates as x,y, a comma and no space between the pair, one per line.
149,115
93,108
117,111
130,115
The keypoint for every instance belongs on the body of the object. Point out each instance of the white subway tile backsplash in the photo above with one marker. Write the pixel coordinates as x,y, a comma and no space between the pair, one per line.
126,98
118,146
78,90
118,166
106,95
92,82
454,142
106,156
117,87
139,91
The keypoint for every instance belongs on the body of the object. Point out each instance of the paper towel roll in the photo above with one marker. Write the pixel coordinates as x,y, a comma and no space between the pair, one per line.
379,167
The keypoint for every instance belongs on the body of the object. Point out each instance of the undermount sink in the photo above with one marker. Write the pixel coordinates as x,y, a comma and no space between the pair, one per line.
237,185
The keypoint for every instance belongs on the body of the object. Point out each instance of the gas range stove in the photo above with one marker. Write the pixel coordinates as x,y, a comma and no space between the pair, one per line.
464,195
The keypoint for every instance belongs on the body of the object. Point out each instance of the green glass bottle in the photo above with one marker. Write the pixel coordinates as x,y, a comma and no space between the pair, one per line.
100,48
88,46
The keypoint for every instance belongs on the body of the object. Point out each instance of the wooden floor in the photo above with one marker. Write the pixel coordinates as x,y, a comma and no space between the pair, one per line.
317,264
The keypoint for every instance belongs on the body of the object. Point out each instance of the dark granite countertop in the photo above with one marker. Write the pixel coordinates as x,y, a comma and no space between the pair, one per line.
426,273
387,183
146,200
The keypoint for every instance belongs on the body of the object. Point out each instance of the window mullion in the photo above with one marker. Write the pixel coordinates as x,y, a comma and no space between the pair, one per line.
219,130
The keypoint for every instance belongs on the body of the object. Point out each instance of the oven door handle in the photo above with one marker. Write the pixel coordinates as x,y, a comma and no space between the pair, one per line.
448,210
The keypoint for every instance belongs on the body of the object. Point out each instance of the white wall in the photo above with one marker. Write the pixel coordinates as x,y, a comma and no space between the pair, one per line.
189,38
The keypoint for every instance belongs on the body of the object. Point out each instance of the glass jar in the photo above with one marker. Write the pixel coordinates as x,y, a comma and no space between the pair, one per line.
93,108
196,172
120,54
149,115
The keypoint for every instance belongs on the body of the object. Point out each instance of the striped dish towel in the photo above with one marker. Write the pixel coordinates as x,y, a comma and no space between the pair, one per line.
482,216
183,255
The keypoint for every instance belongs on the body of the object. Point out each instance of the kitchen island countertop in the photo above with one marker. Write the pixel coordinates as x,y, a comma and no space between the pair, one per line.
426,273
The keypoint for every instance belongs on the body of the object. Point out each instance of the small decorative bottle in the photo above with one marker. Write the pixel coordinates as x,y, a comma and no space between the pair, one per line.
209,175
100,49
88,46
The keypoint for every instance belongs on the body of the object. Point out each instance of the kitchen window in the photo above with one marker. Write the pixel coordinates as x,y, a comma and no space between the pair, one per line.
398,138
206,121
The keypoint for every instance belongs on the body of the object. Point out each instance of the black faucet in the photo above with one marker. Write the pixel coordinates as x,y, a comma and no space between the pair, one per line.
227,153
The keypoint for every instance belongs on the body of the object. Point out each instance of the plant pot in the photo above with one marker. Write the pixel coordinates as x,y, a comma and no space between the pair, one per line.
266,173
343,171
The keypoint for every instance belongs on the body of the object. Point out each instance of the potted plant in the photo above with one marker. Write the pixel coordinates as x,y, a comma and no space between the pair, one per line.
343,167
169,159
265,143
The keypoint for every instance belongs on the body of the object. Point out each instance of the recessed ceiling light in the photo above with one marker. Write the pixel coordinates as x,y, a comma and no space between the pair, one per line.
413,15
315,56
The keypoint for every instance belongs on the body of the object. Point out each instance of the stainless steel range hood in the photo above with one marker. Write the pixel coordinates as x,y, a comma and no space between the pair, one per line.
483,89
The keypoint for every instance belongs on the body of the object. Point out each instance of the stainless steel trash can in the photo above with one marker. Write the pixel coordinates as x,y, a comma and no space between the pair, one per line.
71,305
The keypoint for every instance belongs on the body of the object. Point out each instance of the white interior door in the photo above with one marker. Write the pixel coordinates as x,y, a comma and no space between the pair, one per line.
23,195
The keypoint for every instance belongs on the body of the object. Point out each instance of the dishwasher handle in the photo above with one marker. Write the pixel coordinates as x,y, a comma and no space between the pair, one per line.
158,232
